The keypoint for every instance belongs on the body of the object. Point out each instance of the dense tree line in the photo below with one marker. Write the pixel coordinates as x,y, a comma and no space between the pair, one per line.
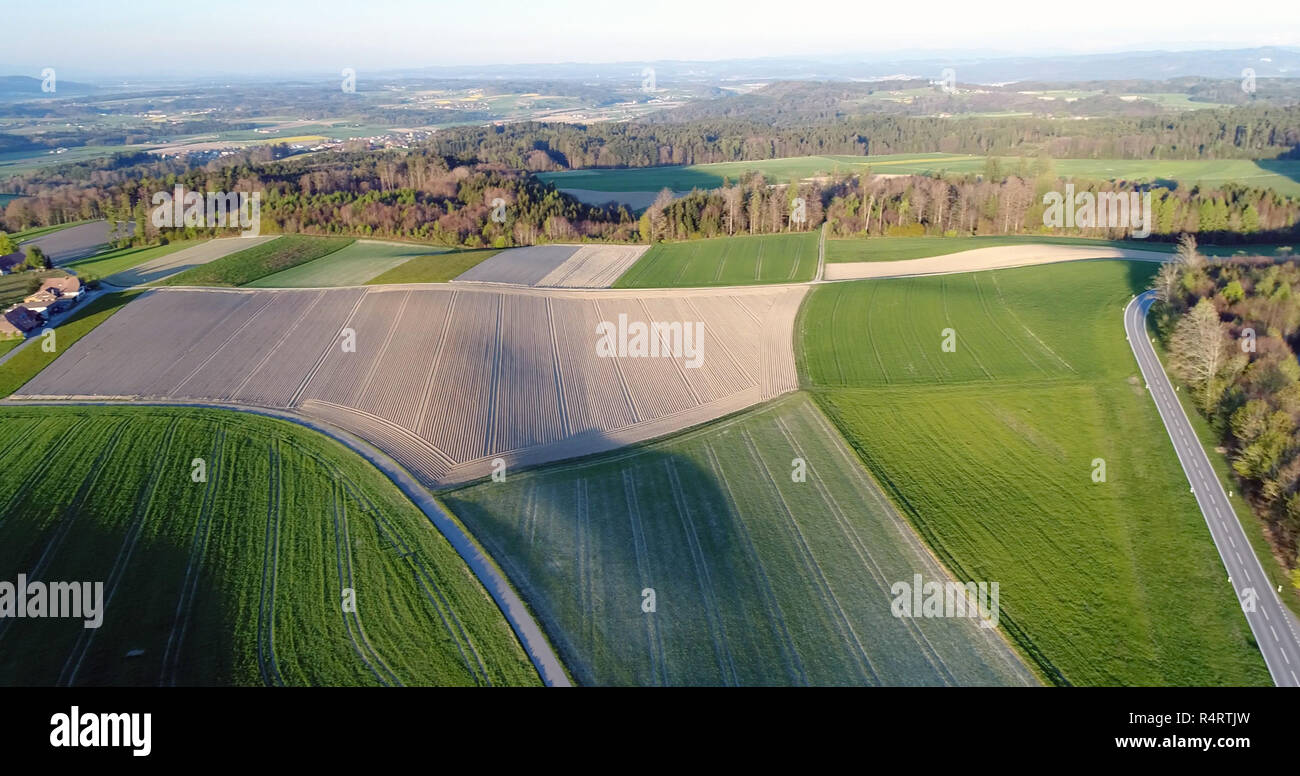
1232,329
417,196
1239,133
993,203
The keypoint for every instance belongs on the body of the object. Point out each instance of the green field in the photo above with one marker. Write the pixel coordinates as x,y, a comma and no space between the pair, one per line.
244,267
990,451
15,372
239,579
38,231
1282,176
115,260
434,268
758,579
353,265
726,261
16,287
897,248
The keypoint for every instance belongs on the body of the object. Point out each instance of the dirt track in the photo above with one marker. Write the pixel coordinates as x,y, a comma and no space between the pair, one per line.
984,259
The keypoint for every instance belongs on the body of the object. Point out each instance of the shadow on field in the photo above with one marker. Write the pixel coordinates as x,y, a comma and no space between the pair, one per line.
129,647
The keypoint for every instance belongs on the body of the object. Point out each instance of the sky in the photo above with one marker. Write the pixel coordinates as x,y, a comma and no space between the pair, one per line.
85,39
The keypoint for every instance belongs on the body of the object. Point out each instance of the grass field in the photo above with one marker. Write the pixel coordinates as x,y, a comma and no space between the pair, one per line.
990,451
244,267
433,268
758,579
897,248
40,231
116,260
353,265
16,287
726,261
239,579
27,364
1282,176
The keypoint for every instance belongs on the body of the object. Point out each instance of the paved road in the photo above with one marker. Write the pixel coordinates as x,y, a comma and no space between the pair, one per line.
1276,630
512,606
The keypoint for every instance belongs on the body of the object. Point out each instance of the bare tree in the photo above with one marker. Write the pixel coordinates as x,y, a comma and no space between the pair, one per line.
1187,253
1198,351
1166,282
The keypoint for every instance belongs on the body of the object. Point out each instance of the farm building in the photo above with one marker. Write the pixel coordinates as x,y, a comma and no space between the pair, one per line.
17,321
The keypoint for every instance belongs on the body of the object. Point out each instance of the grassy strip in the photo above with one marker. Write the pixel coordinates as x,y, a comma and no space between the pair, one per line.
248,265
26,364
434,268
115,260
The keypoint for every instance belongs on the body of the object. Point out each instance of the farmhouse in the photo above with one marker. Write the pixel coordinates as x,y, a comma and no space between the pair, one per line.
17,321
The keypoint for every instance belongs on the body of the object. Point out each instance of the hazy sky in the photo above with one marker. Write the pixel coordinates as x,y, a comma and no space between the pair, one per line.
84,38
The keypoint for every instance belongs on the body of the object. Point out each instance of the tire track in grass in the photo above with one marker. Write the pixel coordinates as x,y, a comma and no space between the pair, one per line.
909,290
38,474
270,558
144,503
70,513
387,530
758,262
985,306
1012,310
654,639
396,543
198,549
871,306
776,618
860,548
586,602
722,261
717,628
21,435
833,607
343,543
798,261
943,293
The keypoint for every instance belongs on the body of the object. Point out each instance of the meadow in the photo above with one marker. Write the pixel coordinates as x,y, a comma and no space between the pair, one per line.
702,560
353,265
244,267
434,267
1281,176
992,449
726,261
238,578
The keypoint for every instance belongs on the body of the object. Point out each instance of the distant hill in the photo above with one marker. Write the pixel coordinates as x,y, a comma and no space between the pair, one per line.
24,87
